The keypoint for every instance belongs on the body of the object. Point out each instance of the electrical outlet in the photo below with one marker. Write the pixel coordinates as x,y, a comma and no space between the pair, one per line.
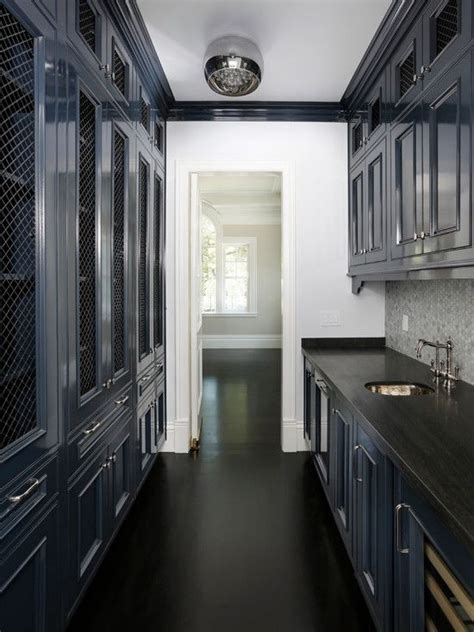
330,318
404,322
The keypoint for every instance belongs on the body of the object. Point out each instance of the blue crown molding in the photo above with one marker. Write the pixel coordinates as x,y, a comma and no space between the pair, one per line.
256,111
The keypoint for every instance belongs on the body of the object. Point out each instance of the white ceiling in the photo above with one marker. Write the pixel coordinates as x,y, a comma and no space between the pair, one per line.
310,48
243,198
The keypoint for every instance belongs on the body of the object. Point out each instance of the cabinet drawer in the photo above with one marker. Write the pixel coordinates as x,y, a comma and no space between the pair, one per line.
25,496
91,438
155,373
29,580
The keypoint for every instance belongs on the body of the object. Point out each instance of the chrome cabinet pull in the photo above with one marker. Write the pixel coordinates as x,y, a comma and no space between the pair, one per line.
145,378
122,401
160,366
93,428
33,485
400,548
354,464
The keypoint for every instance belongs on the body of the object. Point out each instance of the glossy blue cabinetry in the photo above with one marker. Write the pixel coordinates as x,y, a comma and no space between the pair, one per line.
69,188
409,566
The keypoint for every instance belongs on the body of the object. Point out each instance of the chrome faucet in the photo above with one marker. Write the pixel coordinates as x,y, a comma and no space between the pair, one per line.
440,368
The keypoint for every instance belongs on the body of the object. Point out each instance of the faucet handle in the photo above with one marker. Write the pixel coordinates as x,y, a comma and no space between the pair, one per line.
456,373
442,366
432,366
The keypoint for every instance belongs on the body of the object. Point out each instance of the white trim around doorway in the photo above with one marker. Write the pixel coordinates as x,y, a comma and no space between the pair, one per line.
182,307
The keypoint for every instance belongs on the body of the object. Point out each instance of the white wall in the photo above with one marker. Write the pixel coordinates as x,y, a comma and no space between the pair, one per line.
319,154
268,318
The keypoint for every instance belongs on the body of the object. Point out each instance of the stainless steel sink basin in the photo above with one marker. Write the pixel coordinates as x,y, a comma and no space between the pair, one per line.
398,389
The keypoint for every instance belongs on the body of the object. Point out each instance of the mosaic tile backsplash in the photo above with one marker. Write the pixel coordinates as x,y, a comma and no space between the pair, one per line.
435,310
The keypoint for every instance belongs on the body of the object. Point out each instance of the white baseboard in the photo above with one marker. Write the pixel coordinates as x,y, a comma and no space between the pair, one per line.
168,445
177,437
288,436
302,444
241,342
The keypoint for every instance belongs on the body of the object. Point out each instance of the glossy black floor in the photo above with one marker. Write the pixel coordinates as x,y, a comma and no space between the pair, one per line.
239,538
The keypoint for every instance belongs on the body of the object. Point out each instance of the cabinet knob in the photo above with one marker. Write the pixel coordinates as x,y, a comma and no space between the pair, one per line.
423,71
364,251
415,237
423,235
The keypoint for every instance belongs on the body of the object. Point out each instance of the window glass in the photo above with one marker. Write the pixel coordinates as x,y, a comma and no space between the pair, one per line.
236,277
209,265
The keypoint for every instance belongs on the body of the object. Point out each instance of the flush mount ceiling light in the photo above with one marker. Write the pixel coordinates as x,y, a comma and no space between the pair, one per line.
233,66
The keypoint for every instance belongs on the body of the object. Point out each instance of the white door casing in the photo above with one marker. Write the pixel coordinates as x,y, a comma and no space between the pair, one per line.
186,281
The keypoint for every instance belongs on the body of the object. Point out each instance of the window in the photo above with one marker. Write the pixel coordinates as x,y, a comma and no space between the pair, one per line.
228,272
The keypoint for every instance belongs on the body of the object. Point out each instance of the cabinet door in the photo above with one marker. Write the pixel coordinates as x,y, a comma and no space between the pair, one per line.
377,114
87,32
121,473
145,350
376,206
145,422
447,138
357,135
433,572
28,245
120,71
88,338
308,403
159,419
88,523
117,243
342,463
406,185
321,438
357,193
371,522
144,114
29,587
157,252
447,29
405,65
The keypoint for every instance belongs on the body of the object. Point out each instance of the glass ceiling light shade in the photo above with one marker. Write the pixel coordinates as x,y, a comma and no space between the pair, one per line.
233,66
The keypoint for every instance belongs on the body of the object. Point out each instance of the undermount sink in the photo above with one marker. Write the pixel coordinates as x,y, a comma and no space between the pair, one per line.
399,389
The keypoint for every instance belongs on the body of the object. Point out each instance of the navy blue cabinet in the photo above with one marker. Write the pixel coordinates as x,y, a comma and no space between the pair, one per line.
29,578
342,447
72,205
405,65
321,436
371,523
434,574
28,214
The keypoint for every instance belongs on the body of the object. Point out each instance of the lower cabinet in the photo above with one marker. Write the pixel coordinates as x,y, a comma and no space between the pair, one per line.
414,575
341,422
434,574
151,428
371,523
29,581
98,498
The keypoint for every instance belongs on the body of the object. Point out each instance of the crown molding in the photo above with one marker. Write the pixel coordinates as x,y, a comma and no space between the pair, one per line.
256,111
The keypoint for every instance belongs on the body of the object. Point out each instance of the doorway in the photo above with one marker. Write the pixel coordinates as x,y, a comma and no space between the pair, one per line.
238,271
190,338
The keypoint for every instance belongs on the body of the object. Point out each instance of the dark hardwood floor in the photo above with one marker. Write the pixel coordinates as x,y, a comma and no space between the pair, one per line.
239,537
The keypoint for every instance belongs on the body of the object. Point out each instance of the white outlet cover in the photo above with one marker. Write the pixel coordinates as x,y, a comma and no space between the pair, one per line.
404,322
330,318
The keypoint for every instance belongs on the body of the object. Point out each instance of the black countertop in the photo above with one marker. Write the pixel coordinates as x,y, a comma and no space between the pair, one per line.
429,437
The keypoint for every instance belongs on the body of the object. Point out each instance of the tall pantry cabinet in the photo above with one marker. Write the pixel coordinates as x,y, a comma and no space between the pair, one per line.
82,359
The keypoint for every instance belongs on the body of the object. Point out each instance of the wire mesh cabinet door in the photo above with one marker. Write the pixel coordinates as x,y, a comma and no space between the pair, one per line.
28,299
144,250
118,244
89,382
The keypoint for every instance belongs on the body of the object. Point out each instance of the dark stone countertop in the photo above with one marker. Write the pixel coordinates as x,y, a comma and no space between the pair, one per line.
429,437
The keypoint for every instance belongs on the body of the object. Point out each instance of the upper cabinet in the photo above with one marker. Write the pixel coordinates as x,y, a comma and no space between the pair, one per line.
415,196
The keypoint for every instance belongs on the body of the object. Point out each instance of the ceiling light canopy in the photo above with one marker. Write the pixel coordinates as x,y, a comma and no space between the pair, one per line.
233,66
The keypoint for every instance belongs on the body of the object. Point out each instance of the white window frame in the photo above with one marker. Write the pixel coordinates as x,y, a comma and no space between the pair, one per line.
221,242
251,242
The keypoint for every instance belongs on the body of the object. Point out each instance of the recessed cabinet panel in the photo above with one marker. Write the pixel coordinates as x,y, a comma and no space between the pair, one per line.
88,522
447,155
376,216
370,522
343,474
407,210
29,580
121,472
356,190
